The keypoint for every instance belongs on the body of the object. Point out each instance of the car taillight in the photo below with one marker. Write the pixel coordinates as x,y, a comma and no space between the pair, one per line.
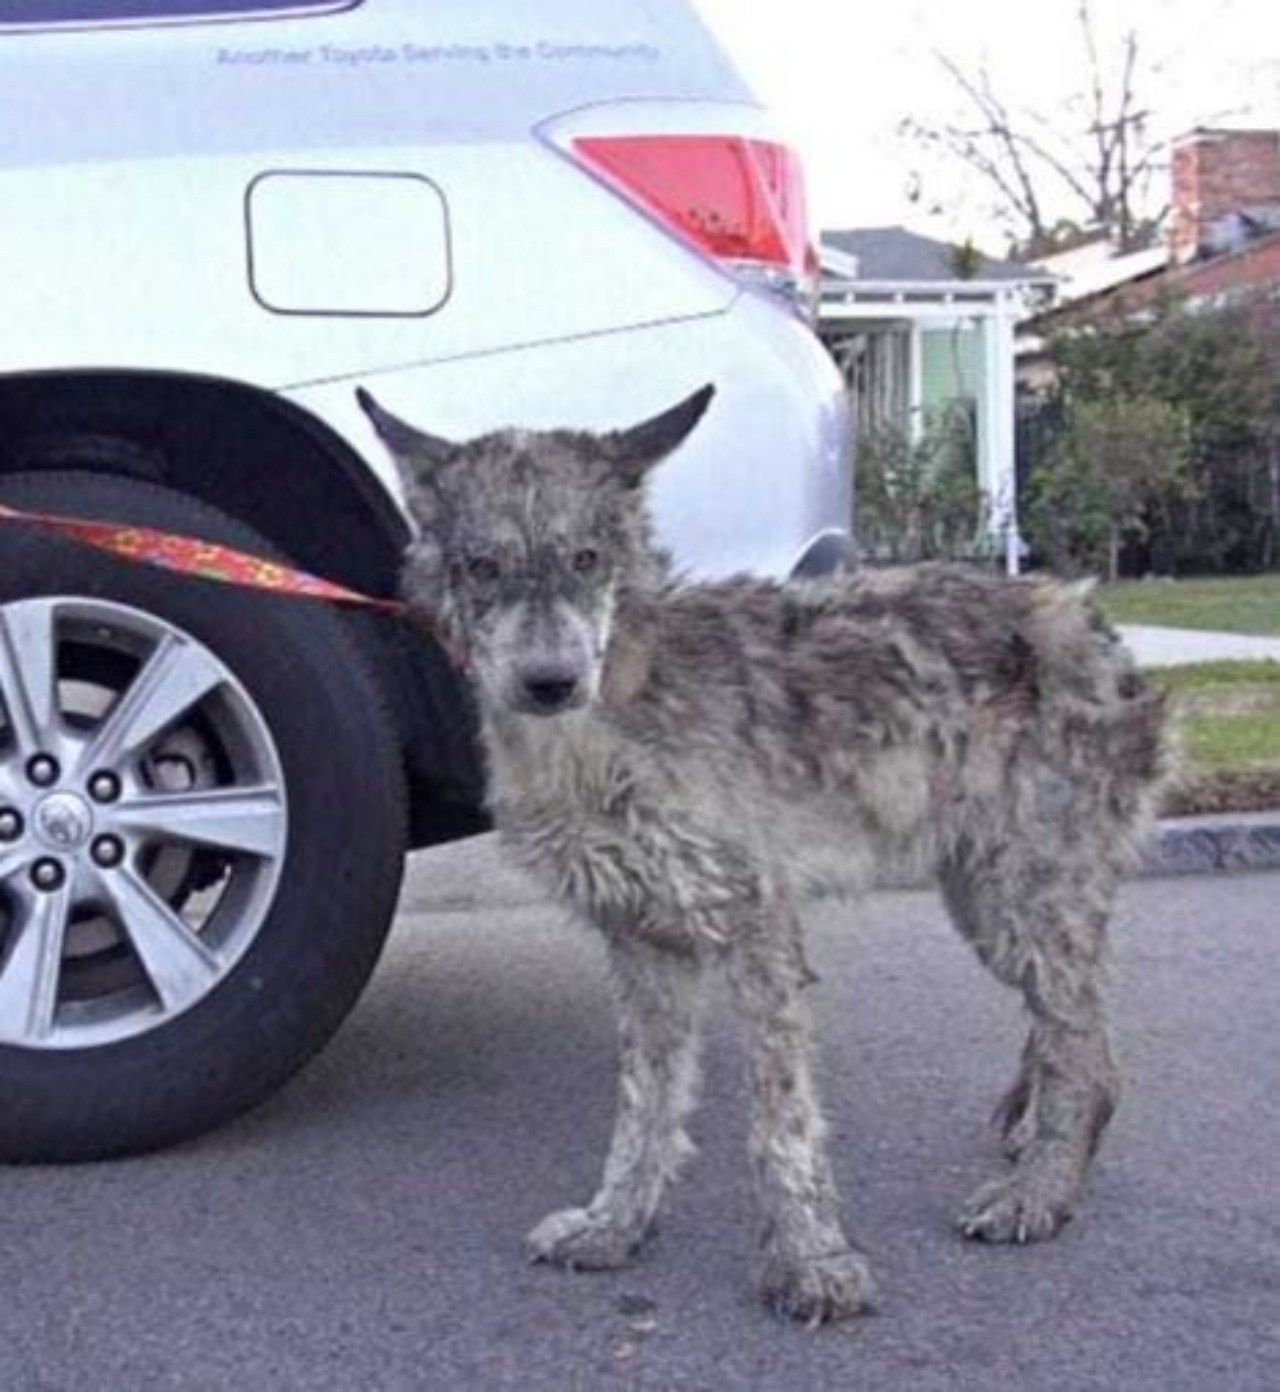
736,199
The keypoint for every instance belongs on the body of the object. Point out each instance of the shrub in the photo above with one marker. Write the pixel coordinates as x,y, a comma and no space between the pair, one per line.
918,499
1202,377
1117,459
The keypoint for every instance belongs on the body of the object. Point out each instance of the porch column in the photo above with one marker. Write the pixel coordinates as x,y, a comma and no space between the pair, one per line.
915,383
997,470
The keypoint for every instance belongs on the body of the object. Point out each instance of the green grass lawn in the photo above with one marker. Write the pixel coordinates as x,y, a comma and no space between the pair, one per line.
1247,604
1228,716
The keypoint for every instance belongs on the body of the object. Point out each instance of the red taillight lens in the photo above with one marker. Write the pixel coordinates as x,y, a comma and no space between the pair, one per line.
739,200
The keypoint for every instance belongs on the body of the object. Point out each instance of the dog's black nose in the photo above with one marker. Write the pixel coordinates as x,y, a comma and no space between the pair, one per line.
550,690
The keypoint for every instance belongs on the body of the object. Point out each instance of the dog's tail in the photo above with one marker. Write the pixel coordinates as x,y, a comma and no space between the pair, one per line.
1092,677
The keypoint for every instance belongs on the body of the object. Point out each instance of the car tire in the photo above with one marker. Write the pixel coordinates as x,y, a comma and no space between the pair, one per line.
197,880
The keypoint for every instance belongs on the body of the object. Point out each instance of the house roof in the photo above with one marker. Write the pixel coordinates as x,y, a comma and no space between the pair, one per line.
1085,271
895,254
1253,266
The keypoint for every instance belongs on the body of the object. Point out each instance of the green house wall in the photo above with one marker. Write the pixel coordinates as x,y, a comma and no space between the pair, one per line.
951,366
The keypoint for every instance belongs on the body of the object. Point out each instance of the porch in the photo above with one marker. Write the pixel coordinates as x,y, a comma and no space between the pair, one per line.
924,341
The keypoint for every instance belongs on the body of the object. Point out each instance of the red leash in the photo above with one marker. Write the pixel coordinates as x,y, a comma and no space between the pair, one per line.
224,565
191,556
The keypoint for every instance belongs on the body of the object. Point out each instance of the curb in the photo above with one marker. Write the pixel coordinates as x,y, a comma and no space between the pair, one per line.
1209,845
478,877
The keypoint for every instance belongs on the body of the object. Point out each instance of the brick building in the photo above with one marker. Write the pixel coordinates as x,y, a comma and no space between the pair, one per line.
1224,233
1225,190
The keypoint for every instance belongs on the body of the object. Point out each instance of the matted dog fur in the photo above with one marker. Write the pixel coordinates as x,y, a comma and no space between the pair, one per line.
682,762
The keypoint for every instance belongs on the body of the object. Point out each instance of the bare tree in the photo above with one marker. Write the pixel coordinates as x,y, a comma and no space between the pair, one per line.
1097,161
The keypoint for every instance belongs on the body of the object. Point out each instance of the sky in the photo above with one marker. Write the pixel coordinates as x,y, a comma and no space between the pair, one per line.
842,74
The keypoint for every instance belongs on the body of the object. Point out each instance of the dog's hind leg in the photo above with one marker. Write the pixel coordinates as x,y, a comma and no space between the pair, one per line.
1039,923
659,1000
811,1269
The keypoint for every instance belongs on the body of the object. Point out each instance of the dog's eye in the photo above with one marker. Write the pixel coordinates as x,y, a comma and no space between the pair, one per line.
483,568
586,560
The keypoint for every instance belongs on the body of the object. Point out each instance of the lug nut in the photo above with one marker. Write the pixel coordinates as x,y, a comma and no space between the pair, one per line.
104,787
42,770
11,825
48,875
107,852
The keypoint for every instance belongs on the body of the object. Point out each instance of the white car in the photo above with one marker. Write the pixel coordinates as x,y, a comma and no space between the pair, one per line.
220,216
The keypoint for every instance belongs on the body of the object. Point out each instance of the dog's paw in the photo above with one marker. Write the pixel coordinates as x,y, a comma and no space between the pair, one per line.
818,1290
1013,1210
580,1240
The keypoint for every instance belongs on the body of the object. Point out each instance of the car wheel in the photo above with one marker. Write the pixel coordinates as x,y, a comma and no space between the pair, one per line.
202,831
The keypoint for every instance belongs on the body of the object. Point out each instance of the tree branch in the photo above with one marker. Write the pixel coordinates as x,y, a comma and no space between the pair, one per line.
1105,166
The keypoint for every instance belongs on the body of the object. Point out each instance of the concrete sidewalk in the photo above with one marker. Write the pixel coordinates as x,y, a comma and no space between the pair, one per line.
1195,845
1167,647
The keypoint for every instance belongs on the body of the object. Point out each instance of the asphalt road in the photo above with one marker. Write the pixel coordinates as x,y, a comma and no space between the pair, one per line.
363,1230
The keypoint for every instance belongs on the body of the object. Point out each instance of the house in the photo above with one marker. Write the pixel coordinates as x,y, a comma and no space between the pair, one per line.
1222,249
918,325
1086,277
1224,240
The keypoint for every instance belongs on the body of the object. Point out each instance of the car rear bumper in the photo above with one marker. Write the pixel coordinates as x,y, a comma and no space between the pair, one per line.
765,485
825,555
762,486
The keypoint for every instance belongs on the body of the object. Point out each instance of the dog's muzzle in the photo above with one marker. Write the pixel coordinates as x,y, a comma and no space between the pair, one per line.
548,690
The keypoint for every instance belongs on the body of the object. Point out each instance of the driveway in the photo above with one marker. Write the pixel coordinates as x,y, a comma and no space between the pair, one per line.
363,1230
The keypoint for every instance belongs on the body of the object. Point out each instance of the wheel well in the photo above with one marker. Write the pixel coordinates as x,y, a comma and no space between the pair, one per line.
274,466
239,448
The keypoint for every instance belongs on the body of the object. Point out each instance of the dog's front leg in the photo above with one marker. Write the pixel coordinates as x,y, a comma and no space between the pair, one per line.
811,1269
659,1002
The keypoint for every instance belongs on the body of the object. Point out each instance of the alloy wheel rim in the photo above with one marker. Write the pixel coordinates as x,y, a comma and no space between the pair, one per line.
143,822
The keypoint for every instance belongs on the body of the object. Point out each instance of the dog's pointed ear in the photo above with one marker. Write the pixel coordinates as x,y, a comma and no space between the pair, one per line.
414,451
638,449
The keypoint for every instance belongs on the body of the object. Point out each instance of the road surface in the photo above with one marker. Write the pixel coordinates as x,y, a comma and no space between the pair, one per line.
363,1230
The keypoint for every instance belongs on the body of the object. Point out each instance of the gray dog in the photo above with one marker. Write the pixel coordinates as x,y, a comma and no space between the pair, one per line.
682,761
